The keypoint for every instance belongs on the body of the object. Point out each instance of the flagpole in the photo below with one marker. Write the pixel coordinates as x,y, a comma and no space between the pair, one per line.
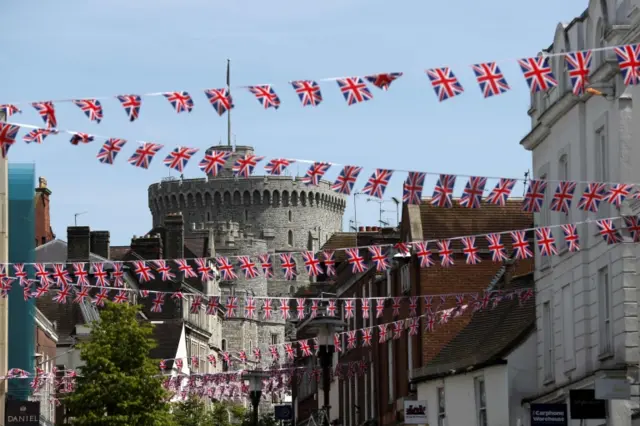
229,111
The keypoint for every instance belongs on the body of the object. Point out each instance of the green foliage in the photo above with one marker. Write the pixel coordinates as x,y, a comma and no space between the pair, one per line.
119,384
194,412
264,420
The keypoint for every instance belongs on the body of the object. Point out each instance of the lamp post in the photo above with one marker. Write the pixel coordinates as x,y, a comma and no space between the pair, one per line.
255,378
325,327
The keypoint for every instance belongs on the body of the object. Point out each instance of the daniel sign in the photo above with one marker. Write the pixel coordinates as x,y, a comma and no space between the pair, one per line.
22,413
415,413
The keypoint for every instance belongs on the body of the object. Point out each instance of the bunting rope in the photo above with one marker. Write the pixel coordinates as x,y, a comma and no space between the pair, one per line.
536,71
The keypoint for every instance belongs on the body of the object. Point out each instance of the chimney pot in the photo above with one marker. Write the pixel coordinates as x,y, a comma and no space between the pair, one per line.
361,228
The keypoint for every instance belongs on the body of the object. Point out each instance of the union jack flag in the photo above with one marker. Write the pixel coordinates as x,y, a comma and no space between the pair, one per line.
351,339
288,265
365,308
609,232
618,193
78,137
220,100
499,195
383,81
181,101
179,157
377,183
496,247
267,266
291,353
349,308
196,304
308,91
629,63
47,112
61,274
412,188
311,263
277,166
213,162
250,308
382,333
10,109
248,266
231,306
266,96
538,73
396,306
226,269
490,79
561,201
379,307
267,308
398,329
91,107
101,276
164,270
443,191
346,179
315,173
366,336
446,253
470,250
109,151
578,64
300,307
305,347
424,254
131,105
520,245
141,270
204,270
379,258
534,196
571,237
120,297
38,135
472,193
329,263
8,134
144,154
42,274
81,274
354,90
444,83
355,260
63,294
274,352
593,194
633,226
101,297
244,165
546,242
212,305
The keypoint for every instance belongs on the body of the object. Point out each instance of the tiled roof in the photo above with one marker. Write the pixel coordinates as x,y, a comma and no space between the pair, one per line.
442,223
340,240
488,337
118,252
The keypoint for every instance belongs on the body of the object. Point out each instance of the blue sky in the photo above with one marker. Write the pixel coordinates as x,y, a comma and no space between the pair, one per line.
80,49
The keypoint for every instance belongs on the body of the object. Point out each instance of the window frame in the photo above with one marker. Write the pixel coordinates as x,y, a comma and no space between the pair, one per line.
568,325
481,401
605,330
548,342
442,406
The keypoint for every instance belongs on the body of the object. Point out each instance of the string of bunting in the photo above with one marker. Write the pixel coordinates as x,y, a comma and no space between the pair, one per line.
536,71
593,194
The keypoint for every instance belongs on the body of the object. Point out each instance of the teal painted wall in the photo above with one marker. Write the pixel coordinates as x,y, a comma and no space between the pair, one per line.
22,324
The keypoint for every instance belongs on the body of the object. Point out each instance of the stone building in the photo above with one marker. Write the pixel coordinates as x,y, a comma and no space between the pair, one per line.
251,216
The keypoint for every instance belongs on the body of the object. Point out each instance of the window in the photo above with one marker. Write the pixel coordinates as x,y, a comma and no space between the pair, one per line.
604,300
290,216
274,338
481,401
442,409
208,216
223,345
290,238
246,215
389,291
547,326
567,323
390,360
602,172
405,281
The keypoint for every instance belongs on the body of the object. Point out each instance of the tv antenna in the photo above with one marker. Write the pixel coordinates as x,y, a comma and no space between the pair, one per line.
75,217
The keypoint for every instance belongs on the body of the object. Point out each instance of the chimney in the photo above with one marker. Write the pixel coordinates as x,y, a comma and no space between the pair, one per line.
174,237
100,243
360,228
78,243
44,233
148,247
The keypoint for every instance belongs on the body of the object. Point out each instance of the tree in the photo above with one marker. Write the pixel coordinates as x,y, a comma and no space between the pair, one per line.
120,384
194,412
264,420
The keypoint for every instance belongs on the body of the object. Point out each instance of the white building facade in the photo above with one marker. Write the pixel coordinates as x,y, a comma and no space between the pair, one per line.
587,301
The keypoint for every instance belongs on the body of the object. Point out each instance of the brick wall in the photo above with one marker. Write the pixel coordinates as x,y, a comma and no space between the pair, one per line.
44,233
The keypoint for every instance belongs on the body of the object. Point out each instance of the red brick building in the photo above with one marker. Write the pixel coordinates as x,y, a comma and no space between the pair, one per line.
377,394
44,232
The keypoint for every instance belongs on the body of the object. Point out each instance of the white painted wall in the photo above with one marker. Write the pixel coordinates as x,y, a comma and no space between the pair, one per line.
565,125
505,384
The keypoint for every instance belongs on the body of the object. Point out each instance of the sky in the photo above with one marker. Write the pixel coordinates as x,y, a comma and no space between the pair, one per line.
87,48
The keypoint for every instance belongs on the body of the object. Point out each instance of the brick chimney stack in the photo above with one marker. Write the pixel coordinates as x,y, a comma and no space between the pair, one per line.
78,243
44,233
147,247
100,243
174,243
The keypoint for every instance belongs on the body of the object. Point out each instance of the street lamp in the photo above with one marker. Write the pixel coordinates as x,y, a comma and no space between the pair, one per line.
255,378
325,327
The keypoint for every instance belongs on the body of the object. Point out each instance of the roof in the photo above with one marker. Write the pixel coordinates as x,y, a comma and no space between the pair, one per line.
118,252
441,223
167,336
56,251
340,240
490,335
